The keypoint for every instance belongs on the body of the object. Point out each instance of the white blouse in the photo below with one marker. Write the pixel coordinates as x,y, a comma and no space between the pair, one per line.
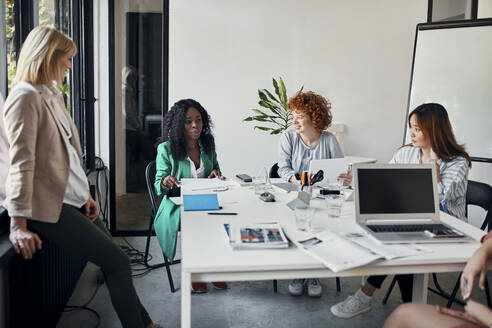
194,172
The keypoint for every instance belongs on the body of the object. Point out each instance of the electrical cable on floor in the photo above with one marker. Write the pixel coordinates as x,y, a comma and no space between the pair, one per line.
71,308
137,257
94,312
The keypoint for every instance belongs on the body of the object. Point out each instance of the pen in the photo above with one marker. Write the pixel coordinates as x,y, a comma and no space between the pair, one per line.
175,176
222,213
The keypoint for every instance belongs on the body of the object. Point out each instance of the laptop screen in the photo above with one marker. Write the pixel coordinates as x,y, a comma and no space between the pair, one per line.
395,191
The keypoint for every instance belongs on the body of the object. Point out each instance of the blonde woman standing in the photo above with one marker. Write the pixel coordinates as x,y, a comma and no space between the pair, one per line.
47,193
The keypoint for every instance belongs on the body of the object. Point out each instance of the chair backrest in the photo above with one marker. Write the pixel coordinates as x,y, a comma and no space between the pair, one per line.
480,194
155,200
274,171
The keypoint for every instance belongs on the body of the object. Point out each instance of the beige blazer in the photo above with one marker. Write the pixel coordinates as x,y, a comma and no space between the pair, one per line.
38,150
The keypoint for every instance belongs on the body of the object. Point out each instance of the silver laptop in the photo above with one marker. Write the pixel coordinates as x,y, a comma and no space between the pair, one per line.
399,204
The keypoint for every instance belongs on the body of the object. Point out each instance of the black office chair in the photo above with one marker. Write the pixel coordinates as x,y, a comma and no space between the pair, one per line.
478,194
274,174
274,171
155,201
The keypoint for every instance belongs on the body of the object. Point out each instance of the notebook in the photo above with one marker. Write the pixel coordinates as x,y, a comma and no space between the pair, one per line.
200,202
399,203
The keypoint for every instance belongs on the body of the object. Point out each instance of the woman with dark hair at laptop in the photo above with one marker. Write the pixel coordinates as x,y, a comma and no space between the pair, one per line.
299,144
433,141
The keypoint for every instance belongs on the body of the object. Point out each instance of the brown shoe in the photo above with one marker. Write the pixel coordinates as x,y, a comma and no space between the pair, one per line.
198,287
220,285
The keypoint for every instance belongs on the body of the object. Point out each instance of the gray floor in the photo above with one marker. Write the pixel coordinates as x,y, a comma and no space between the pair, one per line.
244,304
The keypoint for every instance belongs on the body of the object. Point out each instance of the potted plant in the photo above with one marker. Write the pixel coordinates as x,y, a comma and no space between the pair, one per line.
278,116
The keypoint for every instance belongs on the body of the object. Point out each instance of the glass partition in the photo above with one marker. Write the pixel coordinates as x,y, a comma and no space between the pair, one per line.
138,110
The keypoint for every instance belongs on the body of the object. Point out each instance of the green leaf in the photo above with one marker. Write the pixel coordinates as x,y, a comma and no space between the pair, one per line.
277,131
259,112
248,119
263,128
300,90
275,85
276,110
270,95
261,118
266,104
283,93
262,95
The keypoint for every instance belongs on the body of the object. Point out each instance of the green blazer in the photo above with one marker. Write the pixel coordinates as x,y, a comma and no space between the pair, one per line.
166,223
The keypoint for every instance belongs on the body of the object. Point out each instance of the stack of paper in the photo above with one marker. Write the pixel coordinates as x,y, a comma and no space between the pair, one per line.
206,184
344,251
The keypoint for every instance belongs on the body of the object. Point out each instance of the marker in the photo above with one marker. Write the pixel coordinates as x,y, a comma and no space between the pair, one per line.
222,213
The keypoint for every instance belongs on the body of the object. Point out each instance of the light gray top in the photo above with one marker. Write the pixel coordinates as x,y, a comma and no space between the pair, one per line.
295,156
454,180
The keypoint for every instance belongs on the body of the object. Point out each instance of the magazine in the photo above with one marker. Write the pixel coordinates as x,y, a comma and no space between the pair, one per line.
255,235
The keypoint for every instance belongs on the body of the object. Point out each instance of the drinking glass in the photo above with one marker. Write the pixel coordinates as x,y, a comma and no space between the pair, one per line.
304,215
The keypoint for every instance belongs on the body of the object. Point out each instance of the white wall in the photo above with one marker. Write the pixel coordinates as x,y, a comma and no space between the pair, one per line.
356,53
484,9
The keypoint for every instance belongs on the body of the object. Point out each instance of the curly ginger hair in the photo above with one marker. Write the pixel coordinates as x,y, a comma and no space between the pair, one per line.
314,106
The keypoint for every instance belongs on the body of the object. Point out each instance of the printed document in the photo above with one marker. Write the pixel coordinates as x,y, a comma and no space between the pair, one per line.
343,251
206,184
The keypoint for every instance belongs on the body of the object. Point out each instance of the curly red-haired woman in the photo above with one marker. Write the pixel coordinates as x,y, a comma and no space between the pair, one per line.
299,144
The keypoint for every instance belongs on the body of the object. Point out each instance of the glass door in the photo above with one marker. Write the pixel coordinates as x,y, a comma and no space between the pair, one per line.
138,108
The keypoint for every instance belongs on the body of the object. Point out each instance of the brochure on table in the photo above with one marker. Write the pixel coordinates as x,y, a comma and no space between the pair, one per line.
255,235
343,251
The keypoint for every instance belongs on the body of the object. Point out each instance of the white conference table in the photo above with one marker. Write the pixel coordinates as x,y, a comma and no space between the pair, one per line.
207,256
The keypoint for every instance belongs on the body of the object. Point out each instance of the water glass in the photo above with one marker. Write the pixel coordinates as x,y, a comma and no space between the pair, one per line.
304,215
334,203
259,184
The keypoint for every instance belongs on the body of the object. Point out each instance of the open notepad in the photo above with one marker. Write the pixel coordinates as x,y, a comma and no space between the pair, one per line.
343,251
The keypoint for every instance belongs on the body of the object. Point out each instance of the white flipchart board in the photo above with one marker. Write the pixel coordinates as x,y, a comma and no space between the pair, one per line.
453,66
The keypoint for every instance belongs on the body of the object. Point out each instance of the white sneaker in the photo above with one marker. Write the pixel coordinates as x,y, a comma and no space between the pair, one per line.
296,287
351,307
315,289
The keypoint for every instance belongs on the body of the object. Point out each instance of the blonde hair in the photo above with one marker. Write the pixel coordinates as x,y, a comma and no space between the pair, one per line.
40,53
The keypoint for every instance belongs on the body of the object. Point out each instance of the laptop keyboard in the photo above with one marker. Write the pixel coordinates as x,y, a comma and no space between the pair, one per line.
407,227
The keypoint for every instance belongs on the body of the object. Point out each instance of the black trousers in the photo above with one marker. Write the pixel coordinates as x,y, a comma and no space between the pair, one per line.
76,234
405,281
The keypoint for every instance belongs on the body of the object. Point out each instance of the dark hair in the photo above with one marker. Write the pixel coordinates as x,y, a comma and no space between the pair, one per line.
314,106
434,121
174,128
